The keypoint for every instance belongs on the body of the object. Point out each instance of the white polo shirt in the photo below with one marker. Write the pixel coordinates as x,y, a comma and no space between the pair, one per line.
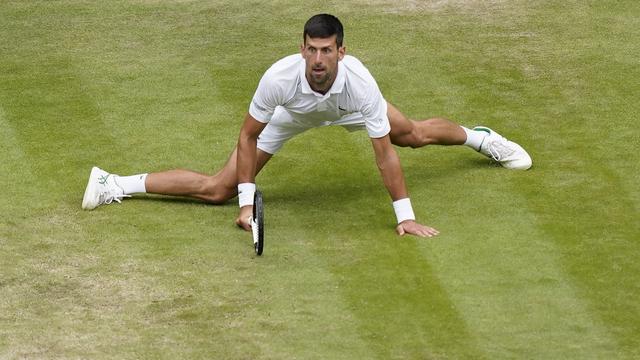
284,99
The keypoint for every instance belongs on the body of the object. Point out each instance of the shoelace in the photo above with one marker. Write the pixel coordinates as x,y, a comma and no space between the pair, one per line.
499,150
108,197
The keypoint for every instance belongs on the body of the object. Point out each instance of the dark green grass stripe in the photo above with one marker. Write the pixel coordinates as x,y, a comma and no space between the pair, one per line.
389,281
588,215
586,197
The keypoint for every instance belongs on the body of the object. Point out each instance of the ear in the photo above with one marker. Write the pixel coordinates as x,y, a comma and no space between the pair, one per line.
301,48
341,52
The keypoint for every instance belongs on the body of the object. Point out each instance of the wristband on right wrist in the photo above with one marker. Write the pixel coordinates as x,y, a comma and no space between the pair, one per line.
403,210
245,193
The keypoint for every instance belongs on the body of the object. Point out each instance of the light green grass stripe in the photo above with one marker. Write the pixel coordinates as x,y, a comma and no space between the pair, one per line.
303,309
508,281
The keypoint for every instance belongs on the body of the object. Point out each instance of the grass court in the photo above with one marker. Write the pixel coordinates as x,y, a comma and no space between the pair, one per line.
542,264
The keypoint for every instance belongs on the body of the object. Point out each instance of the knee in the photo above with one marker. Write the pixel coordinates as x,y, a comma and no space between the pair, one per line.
419,136
425,132
215,192
218,198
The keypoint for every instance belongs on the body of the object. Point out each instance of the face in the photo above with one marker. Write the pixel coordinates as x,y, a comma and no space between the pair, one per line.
321,56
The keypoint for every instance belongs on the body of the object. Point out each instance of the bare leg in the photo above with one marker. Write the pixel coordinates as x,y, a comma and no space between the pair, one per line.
216,189
438,131
435,131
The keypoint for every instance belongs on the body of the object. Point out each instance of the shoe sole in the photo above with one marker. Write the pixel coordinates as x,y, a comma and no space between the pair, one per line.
524,163
89,192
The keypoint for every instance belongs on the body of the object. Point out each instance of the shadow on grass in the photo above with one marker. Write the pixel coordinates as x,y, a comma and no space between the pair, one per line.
174,200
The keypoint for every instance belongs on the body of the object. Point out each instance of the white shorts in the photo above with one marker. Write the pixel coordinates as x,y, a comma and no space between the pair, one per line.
283,126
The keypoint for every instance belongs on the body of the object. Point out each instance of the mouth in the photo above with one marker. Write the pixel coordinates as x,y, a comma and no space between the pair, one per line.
318,71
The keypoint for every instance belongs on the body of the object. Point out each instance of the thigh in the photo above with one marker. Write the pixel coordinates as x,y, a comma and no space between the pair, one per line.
224,184
402,128
263,158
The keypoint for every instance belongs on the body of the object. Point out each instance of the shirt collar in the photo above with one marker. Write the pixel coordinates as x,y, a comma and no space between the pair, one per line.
337,86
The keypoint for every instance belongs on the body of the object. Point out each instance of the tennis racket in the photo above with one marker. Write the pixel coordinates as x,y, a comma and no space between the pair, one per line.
257,223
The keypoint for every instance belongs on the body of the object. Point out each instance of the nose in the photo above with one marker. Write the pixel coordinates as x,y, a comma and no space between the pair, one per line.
318,58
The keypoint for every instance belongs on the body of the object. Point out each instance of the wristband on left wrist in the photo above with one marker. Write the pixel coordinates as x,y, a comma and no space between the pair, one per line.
403,210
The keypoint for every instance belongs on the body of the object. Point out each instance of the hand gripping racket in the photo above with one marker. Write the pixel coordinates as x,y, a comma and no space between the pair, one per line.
257,223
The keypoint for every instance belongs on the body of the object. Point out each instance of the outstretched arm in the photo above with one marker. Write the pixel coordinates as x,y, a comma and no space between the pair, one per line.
246,165
389,165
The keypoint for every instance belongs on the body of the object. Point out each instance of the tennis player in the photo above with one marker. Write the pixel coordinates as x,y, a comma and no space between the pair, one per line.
320,86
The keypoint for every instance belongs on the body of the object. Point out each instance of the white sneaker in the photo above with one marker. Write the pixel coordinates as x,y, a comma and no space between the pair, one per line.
101,189
507,153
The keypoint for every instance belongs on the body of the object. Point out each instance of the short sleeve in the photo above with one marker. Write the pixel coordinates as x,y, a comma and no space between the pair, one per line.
263,103
374,111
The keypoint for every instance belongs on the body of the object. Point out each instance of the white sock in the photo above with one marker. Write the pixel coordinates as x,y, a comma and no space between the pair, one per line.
132,184
474,138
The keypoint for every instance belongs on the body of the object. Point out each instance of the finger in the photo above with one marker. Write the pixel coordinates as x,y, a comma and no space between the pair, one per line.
247,225
244,225
426,231
430,233
418,231
400,230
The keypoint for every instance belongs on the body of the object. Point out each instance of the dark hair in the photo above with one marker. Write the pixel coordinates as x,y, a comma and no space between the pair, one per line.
323,26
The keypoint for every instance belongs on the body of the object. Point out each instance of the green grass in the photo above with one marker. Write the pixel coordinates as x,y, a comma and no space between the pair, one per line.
538,264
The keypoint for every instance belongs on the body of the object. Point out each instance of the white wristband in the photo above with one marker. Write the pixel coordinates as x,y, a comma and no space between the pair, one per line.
245,193
403,210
